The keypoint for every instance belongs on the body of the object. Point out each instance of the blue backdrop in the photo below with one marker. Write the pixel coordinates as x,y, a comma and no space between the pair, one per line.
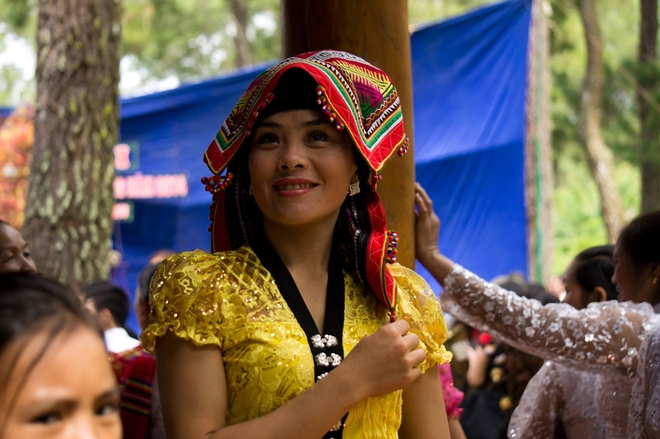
469,85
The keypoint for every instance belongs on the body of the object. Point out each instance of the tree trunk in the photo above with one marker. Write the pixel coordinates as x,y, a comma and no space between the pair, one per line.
599,155
70,198
240,12
649,156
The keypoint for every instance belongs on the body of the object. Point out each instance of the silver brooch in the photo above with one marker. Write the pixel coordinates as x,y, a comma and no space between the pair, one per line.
323,342
328,360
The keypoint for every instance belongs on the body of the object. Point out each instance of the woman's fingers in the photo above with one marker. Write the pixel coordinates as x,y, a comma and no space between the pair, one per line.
386,360
424,201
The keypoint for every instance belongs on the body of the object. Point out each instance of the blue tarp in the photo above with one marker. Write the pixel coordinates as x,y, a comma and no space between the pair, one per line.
469,85
469,88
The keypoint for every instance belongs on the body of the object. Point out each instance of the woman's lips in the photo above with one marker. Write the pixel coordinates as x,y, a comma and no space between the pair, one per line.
293,188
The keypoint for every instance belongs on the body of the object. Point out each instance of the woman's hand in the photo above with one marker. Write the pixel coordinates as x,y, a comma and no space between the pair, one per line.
427,227
384,361
427,230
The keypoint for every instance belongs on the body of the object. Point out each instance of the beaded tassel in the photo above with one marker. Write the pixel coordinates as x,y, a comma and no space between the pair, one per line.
322,100
375,178
392,244
215,185
405,146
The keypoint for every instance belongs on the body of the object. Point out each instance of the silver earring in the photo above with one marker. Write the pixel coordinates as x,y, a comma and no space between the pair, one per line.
354,188
250,191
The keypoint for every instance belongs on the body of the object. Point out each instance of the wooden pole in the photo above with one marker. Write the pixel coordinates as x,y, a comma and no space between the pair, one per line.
377,31
538,162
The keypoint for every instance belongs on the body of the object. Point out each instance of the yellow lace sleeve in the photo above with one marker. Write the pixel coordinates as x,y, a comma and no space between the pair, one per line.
185,296
418,305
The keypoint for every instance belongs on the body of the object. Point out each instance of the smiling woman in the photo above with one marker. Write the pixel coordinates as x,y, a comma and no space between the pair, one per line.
55,376
301,324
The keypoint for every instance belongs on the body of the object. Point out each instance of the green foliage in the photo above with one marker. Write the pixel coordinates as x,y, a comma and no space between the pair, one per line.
20,16
426,11
577,221
17,12
576,207
191,39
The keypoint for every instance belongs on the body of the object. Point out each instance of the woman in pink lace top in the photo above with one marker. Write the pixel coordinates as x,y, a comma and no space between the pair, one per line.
619,341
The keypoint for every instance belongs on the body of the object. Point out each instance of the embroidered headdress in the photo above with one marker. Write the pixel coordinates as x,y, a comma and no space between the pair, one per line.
356,97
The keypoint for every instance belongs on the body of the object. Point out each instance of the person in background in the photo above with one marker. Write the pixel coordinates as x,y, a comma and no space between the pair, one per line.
497,374
560,401
14,251
615,340
140,409
556,287
109,304
55,376
141,302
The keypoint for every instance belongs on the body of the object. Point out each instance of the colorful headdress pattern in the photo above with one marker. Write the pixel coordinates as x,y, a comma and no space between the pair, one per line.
355,96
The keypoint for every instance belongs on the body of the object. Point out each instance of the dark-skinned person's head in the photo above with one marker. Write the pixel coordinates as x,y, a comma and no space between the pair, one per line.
55,376
588,278
637,259
15,256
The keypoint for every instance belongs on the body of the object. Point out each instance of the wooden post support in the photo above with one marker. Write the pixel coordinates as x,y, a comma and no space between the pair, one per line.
377,31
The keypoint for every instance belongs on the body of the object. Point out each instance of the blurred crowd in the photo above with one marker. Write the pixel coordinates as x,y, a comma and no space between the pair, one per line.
495,386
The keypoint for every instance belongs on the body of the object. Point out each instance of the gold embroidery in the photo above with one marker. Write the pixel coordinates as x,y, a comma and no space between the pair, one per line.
229,299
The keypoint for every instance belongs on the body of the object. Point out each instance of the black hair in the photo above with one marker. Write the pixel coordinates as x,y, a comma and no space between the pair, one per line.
511,285
144,279
28,300
30,303
109,296
594,267
641,239
538,292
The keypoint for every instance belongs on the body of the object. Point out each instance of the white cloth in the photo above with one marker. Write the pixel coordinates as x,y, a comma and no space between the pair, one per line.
117,340
606,338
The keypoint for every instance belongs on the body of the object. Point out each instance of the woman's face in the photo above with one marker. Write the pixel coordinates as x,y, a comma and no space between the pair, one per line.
300,167
70,392
574,290
632,282
14,252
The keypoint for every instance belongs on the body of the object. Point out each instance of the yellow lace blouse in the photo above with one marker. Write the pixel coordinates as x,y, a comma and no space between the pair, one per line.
230,300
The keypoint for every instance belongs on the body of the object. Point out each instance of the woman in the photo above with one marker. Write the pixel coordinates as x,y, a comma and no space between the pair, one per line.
560,399
55,376
611,339
14,251
300,325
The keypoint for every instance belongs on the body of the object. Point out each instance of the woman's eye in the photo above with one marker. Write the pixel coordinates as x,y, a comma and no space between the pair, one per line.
319,136
108,409
267,138
47,418
27,255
